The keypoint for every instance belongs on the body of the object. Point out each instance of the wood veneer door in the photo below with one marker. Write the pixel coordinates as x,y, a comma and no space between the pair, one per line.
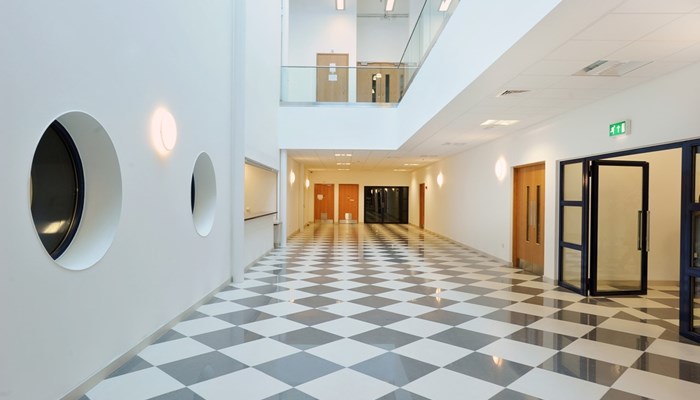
528,218
324,204
348,201
421,222
332,77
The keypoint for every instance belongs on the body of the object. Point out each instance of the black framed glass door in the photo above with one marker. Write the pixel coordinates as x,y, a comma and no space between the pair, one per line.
573,226
386,205
619,235
689,325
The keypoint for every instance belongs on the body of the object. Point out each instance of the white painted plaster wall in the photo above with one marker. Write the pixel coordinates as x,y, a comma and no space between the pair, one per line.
117,61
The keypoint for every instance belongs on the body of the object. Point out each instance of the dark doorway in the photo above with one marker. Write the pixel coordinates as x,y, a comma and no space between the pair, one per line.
386,204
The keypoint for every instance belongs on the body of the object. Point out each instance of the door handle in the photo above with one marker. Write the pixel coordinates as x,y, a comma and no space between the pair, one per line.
639,230
648,241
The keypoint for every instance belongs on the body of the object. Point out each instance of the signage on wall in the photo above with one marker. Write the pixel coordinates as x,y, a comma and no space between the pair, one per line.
619,128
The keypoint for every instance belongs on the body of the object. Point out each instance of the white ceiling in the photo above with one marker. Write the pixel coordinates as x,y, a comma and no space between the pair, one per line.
665,33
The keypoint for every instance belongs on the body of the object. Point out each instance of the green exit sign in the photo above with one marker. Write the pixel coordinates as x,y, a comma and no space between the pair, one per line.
619,128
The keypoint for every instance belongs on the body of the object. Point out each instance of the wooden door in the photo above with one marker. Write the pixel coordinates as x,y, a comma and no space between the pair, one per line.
324,204
348,202
332,77
421,222
379,82
528,218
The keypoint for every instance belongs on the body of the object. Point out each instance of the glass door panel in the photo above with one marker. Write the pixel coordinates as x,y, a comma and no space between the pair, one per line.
689,324
573,226
619,226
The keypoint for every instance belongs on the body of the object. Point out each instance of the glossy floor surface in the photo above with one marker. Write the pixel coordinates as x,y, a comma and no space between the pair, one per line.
391,312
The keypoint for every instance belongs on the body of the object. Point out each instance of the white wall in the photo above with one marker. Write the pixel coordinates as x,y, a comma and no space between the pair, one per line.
474,208
117,61
256,116
295,199
260,190
362,178
381,39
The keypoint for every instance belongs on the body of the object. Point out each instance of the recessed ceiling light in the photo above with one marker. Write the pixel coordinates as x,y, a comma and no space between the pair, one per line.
340,5
444,5
389,5
343,155
343,169
342,163
499,122
401,170
411,165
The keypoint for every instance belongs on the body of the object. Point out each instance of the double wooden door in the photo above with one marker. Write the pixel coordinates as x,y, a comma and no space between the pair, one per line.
379,83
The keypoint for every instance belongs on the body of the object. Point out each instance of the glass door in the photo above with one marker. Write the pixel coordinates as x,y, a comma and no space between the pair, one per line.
573,226
619,239
690,243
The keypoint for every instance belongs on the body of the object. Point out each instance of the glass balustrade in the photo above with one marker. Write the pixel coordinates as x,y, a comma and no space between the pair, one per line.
380,84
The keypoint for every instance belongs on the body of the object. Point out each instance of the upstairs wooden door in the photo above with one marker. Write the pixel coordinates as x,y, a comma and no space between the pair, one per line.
332,77
348,202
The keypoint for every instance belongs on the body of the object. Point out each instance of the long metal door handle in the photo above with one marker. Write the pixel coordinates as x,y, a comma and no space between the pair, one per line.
648,241
639,230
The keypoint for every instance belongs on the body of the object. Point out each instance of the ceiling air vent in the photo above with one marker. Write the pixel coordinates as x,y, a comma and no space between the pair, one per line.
510,92
610,68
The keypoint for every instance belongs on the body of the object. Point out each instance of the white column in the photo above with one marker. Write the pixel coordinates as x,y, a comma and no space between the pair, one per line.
283,180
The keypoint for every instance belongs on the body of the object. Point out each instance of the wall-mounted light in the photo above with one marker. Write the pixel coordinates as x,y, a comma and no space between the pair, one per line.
340,5
163,131
292,177
307,183
440,179
389,5
500,169
444,5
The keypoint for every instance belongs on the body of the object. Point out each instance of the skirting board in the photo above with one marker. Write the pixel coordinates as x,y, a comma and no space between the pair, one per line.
91,382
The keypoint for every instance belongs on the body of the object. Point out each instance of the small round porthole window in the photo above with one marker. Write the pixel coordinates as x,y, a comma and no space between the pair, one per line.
56,189
203,194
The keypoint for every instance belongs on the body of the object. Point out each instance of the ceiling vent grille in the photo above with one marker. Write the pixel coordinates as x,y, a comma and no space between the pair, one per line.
511,92
610,68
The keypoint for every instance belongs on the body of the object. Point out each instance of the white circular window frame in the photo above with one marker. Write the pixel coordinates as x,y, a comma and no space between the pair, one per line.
204,195
102,192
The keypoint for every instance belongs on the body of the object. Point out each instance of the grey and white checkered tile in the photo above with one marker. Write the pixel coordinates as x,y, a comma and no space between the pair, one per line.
393,312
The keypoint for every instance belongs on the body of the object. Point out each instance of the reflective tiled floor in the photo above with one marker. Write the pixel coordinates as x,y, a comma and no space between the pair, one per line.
390,312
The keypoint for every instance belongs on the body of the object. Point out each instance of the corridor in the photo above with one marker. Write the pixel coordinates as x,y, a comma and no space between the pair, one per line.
392,312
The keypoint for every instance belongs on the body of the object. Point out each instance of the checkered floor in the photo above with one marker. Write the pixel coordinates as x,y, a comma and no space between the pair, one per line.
390,312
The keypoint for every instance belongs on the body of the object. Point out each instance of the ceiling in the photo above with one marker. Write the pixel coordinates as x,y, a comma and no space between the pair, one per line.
376,7
663,34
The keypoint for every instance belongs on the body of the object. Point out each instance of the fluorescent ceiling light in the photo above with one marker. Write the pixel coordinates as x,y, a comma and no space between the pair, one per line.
389,5
444,5
342,163
343,169
411,165
343,155
340,5
499,122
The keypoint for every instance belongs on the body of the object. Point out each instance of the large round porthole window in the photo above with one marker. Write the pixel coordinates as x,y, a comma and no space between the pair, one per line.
56,189
75,190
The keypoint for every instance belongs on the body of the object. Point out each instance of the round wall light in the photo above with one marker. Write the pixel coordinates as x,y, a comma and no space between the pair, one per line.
292,177
500,169
440,179
307,183
163,131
